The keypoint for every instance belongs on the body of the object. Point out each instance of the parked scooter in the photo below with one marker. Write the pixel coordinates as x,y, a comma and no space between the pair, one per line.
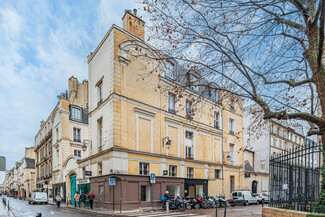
223,201
213,202
177,203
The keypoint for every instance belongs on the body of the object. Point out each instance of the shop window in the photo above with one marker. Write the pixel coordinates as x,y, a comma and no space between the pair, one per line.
145,193
173,171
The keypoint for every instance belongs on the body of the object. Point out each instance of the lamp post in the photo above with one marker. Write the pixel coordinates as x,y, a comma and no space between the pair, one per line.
167,142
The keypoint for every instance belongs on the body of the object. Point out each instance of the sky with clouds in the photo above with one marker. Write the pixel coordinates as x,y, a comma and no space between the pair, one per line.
42,44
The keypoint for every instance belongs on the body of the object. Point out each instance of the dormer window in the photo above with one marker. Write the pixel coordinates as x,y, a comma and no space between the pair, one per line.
231,104
75,114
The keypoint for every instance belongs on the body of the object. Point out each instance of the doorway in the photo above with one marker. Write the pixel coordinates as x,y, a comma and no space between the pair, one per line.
73,185
101,195
232,184
254,186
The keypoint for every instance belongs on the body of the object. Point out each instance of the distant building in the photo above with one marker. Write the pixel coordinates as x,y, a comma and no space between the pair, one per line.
58,143
26,174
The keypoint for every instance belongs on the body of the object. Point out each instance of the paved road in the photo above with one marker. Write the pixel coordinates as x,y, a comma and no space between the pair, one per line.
21,208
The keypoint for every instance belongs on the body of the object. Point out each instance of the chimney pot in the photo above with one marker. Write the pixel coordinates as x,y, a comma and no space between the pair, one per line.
135,11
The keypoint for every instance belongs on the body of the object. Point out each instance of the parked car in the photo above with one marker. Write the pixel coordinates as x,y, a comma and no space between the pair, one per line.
243,197
38,197
262,197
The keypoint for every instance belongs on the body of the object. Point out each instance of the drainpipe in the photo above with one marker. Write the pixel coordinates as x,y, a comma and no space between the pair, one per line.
223,183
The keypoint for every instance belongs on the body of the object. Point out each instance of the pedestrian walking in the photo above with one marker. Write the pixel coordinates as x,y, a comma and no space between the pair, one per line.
76,200
82,199
91,197
58,199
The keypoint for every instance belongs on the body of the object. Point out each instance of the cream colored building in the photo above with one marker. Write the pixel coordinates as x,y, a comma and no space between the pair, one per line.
58,144
26,174
140,124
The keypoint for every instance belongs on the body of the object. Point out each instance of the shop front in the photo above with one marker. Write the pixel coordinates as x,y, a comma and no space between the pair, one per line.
60,188
195,187
133,191
84,186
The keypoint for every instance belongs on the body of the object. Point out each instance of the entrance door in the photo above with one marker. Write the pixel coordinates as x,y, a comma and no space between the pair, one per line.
73,186
101,195
232,183
254,186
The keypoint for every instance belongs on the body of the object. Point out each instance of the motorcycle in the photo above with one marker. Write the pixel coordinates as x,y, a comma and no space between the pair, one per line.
213,202
223,201
177,203
203,203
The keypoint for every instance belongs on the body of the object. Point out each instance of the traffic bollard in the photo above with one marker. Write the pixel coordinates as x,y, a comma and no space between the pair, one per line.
225,213
216,212
167,206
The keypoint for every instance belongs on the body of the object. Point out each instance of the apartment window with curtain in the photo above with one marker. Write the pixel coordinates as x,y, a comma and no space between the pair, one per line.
76,135
189,172
216,120
172,171
143,169
231,126
171,103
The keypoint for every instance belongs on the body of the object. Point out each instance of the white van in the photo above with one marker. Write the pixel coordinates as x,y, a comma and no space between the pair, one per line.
38,197
243,197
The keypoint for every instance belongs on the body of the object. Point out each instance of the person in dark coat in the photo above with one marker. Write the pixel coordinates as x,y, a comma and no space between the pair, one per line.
82,199
91,197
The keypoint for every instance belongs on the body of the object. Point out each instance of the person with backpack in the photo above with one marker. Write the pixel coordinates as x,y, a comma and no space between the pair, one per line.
76,200
82,199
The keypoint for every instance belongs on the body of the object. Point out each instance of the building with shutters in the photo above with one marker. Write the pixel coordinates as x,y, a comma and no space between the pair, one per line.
139,124
58,143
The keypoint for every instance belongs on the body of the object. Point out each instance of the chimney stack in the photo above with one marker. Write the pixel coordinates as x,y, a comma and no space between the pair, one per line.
133,24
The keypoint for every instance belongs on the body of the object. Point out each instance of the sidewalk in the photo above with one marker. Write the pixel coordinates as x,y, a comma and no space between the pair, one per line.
4,210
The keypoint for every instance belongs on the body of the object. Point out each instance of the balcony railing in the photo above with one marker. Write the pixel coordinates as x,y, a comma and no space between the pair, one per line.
144,172
190,156
190,175
172,174
231,132
216,125
77,140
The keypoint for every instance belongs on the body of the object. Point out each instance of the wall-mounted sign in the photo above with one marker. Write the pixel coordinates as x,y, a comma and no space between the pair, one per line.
112,181
88,173
85,181
165,172
45,186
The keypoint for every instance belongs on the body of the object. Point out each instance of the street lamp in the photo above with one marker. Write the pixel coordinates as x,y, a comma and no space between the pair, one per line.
85,143
228,158
167,142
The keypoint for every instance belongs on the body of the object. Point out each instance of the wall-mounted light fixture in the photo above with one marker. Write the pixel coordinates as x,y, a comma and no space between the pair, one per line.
85,143
167,142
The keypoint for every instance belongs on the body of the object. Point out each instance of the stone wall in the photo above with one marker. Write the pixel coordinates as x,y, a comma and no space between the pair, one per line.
270,212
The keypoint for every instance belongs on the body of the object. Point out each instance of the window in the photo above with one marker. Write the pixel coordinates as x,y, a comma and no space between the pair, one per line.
172,171
100,134
189,154
189,172
278,132
100,169
216,120
264,185
100,93
48,125
232,153
75,114
57,156
170,72
77,153
300,141
144,169
189,109
217,174
57,134
231,104
171,103
145,193
280,143
76,135
285,145
231,126
296,139
274,142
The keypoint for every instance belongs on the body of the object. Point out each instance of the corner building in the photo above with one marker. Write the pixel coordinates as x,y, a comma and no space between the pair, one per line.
137,129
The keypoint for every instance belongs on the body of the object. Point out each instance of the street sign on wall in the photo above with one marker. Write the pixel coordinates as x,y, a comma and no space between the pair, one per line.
2,163
112,181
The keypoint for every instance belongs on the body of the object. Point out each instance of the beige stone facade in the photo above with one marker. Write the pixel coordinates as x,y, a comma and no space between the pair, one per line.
132,123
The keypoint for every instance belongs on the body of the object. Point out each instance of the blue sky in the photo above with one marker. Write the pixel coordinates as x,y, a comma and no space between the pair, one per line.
42,44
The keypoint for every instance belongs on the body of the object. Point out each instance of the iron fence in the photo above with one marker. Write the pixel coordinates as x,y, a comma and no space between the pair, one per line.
295,178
